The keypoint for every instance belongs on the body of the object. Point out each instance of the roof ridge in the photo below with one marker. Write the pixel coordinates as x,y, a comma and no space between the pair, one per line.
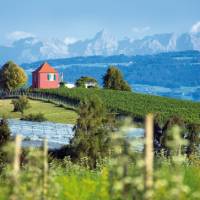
45,67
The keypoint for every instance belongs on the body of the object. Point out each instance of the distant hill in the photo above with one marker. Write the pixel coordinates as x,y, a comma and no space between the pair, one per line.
172,70
31,49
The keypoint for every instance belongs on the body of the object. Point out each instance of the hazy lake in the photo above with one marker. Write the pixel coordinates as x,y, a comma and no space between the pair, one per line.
34,132
57,134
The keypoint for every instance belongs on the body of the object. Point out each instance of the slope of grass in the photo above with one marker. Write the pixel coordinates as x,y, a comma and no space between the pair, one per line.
138,105
52,112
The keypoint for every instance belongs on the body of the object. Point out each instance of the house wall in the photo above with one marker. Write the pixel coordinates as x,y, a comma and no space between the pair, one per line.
45,83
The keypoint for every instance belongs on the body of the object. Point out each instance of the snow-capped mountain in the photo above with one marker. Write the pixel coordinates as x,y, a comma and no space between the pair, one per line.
102,44
31,49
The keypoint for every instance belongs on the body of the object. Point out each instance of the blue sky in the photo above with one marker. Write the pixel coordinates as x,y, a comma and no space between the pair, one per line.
83,18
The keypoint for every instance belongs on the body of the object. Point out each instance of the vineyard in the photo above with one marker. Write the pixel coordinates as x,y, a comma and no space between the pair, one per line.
129,103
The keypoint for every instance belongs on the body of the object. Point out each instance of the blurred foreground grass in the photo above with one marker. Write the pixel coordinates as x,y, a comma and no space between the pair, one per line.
74,182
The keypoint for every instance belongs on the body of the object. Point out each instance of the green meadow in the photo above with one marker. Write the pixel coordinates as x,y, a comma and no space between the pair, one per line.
52,112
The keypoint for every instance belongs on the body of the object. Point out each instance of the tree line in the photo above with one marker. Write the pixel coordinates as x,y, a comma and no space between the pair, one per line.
13,77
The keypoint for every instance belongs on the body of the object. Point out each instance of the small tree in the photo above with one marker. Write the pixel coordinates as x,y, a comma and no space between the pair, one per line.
12,76
81,82
21,104
113,79
91,138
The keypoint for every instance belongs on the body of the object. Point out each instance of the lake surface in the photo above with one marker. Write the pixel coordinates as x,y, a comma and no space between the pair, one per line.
57,134
34,132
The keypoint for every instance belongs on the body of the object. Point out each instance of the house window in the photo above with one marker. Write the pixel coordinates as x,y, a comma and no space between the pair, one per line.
51,77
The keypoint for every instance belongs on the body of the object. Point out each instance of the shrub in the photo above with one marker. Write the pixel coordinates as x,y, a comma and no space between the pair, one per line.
21,104
35,117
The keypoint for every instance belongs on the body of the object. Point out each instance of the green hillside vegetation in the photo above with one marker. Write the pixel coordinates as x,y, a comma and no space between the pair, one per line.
51,112
136,105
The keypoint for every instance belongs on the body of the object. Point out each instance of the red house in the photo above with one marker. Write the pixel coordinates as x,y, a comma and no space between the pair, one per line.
45,77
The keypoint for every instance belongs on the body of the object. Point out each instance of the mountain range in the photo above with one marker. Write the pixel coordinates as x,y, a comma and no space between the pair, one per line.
30,49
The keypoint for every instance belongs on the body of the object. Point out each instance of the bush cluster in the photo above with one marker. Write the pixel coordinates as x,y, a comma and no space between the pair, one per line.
35,117
20,104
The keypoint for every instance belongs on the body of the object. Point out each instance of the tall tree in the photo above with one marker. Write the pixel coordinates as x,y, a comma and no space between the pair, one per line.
113,79
12,76
91,138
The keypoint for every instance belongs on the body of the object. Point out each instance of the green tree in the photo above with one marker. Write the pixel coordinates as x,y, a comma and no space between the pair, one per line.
12,76
92,140
21,104
84,80
113,79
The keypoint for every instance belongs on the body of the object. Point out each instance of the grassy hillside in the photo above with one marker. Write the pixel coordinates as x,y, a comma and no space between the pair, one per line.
138,105
52,112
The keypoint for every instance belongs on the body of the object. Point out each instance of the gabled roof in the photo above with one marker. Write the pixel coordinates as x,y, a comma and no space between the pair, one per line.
45,68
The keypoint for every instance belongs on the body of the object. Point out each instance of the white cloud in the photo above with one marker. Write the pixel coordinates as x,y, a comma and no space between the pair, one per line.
196,28
17,35
69,40
141,30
